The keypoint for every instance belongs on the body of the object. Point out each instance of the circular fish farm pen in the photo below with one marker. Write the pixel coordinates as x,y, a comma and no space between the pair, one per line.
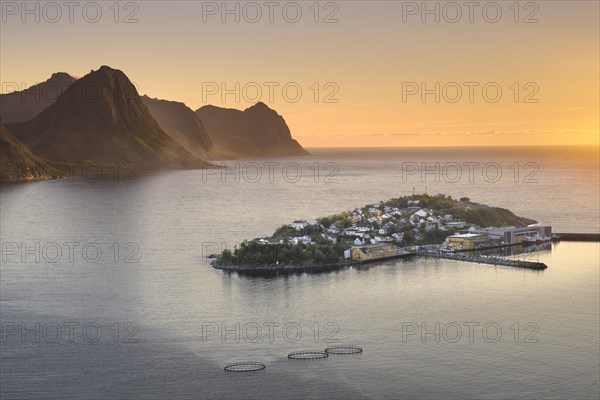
308,355
247,366
343,350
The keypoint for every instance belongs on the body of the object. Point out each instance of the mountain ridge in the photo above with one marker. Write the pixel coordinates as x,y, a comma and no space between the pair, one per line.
19,164
256,131
101,118
23,105
182,124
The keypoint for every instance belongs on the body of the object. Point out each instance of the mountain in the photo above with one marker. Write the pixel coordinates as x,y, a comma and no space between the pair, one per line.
18,164
257,131
26,104
102,119
182,124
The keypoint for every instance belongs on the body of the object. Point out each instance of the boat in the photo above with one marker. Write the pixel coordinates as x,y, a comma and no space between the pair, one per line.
528,239
542,239
448,249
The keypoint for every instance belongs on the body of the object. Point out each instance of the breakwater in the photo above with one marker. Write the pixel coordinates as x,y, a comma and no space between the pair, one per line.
576,237
487,260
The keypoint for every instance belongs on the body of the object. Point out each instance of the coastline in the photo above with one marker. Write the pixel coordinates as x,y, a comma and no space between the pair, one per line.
281,268
303,267
315,268
380,231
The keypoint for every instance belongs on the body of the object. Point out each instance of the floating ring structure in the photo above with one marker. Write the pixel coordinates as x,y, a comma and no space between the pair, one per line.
247,366
343,350
308,355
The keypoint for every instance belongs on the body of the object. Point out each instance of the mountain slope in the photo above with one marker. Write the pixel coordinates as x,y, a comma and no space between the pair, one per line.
18,164
257,131
182,124
26,104
102,119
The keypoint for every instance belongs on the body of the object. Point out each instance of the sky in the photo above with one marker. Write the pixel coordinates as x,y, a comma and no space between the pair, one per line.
342,73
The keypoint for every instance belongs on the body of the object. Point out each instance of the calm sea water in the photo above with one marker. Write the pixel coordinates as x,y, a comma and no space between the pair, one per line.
140,313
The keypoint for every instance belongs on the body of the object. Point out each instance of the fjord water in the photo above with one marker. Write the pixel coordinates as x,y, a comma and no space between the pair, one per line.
154,312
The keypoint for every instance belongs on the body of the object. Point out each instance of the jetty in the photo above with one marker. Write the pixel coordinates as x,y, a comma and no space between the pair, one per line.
576,237
491,260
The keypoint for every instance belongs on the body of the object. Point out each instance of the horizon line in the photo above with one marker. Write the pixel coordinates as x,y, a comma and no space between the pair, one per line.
453,146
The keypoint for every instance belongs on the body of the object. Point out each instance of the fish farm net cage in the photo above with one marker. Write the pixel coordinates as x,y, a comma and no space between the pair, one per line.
307,355
247,366
343,350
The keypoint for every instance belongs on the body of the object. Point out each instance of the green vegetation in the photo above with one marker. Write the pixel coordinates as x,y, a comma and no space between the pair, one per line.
18,164
472,213
252,253
494,216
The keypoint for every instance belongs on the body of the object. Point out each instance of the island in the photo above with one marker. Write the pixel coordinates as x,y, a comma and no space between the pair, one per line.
418,224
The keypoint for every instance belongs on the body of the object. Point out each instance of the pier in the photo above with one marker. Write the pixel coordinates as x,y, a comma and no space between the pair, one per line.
486,260
576,237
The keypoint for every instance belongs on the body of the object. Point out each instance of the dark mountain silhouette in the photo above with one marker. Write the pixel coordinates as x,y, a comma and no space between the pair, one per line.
18,164
26,104
257,131
101,118
182,124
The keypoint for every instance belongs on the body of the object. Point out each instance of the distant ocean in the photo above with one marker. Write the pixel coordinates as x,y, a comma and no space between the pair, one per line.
106,292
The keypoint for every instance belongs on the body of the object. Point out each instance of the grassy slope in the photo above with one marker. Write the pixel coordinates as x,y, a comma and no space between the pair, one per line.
18,164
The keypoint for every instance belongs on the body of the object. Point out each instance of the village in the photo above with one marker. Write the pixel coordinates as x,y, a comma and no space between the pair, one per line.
416,224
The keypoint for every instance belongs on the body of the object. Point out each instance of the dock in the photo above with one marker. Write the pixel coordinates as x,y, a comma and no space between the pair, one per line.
486,260
576,237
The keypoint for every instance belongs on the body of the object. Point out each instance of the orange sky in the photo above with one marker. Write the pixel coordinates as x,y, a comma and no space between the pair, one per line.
368,62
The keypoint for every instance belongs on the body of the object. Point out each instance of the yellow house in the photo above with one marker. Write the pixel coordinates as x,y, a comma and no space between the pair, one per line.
466,241
373,251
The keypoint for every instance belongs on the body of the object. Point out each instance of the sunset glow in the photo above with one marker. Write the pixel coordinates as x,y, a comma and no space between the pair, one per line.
355,75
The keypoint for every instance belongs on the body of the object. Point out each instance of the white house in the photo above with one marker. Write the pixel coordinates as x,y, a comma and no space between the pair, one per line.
268,241
353,232
398,236
301,239
421,213
362,228
299,224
